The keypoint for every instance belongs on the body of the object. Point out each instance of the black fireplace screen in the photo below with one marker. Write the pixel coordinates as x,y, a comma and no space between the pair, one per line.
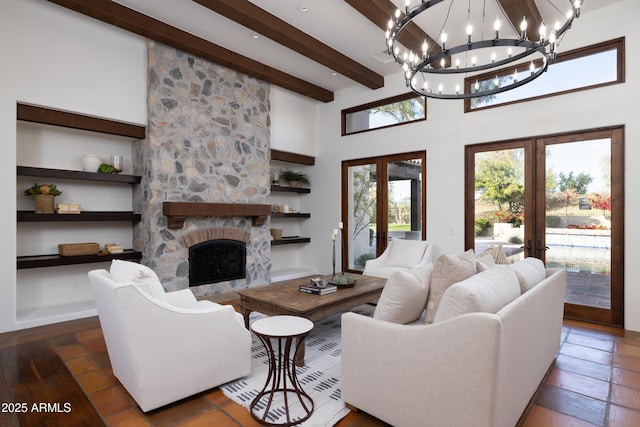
216,261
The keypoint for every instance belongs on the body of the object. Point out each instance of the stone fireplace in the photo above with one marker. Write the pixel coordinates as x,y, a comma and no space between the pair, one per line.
208,143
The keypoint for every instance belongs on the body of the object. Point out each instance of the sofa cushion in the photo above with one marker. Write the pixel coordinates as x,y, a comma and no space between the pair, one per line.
486,292
403,297
140,275
405,253
529,271
449,269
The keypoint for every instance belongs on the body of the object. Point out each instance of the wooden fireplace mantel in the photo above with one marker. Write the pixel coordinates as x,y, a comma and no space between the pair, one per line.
177,212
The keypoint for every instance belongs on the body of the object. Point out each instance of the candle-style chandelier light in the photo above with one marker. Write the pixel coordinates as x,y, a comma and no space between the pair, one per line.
440,71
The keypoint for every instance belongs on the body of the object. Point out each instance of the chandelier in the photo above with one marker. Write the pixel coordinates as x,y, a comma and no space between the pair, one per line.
442,71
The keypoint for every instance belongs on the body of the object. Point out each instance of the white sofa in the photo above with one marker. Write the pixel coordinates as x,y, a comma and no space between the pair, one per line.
474,369
400,255
165,346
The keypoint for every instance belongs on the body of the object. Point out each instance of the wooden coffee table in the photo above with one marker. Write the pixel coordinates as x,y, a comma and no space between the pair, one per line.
284,298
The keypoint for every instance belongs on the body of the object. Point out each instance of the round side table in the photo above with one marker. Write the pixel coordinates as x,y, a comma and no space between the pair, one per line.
282,379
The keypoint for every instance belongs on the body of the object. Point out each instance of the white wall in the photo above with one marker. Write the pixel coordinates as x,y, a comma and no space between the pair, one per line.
59,59
294,122
447,130
56,58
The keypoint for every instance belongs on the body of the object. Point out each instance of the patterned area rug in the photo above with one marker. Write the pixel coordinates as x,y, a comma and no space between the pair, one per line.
320,376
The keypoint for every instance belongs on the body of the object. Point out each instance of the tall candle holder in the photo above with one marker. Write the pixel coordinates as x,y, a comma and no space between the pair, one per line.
333,238
340,227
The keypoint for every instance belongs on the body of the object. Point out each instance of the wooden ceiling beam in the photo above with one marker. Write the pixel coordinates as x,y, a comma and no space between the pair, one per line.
115,14
380,11
259,20
518,9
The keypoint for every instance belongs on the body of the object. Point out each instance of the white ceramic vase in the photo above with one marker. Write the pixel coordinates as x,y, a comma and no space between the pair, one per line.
91,162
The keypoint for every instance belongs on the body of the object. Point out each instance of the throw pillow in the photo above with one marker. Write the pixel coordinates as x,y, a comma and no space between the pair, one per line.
486,292
403,298
405,253
449,269
423,273
484,262
497,252
529,271
142,276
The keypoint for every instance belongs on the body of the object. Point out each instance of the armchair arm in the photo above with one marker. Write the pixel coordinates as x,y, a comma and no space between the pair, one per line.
442,367
377,262
182,298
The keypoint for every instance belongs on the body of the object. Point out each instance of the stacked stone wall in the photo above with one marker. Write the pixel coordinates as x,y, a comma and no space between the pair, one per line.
207,141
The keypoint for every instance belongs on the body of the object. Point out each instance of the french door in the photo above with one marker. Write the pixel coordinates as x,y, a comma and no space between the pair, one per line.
383,198
561,199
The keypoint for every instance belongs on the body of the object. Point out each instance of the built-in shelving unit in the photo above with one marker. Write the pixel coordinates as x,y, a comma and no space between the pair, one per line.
286,253
45,297
300,159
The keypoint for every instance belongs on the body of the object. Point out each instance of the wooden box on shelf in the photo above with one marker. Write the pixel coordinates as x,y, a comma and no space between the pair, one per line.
76,249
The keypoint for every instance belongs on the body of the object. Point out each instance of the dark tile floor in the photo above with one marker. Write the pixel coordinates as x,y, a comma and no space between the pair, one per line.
595,381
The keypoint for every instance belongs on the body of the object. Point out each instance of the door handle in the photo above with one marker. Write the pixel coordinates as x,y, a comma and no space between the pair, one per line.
540,248
528,247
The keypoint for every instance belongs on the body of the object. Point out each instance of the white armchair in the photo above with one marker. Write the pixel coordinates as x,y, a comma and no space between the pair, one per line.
399,255
165,346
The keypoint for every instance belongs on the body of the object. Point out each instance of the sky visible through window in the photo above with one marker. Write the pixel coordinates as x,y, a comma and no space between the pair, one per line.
567,75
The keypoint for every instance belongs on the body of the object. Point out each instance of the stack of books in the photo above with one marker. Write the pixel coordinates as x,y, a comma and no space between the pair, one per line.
317,290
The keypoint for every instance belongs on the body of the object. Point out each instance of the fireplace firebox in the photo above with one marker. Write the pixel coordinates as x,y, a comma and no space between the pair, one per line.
216,261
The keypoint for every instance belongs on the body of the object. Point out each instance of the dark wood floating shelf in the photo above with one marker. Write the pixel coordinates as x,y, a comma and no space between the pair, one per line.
102,216
177,212
290,215
78,175
36,261
290,240
49,116
284,189
285,156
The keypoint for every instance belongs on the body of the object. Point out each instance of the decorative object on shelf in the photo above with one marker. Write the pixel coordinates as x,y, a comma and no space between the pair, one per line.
91,162
117,162
282,209
468,52
292,178
68,208
276,233
275,176
43,197
111,248
77,249
106,168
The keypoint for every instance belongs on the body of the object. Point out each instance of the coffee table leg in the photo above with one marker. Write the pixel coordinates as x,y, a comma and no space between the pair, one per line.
245,314
299,357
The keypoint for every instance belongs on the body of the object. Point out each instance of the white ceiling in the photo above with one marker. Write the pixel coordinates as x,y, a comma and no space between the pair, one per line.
333,22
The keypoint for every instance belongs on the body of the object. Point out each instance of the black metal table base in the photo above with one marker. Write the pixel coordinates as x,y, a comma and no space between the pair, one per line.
282,380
